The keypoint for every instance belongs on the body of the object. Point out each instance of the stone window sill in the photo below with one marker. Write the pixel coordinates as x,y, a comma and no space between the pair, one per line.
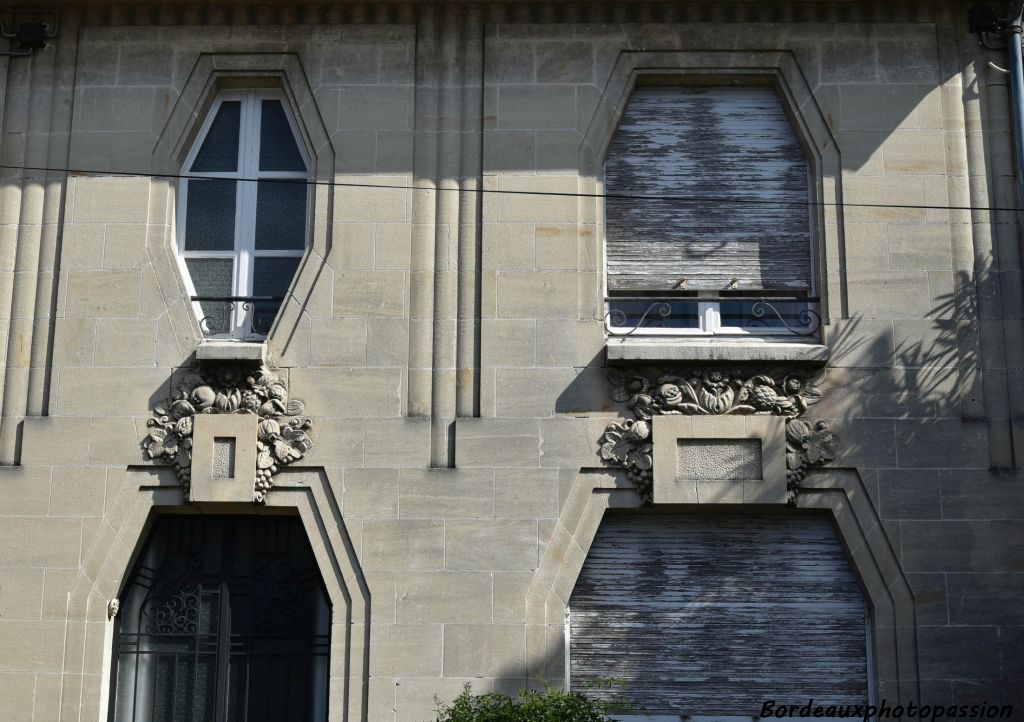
230,351
641,350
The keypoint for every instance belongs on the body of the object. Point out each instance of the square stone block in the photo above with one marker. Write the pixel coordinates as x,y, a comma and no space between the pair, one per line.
224,457
719,460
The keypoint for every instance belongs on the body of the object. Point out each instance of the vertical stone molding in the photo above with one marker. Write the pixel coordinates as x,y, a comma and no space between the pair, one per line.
37,123
443,360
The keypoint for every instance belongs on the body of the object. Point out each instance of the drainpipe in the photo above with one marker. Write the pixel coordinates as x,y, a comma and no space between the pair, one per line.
1013,42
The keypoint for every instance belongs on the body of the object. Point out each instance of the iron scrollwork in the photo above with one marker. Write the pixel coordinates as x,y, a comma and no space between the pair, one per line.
616,319
793,315
175,614
259,313
650,392
810,319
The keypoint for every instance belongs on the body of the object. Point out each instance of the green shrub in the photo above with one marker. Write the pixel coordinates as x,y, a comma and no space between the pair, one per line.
549,705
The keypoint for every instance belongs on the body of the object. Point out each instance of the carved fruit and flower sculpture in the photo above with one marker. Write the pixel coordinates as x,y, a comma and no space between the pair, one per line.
281,432
650,392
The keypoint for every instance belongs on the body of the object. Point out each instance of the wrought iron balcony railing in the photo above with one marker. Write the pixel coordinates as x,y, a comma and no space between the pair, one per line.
241,316
706,314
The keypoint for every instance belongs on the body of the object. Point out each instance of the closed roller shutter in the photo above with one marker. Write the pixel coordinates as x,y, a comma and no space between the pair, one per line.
732,157
715,615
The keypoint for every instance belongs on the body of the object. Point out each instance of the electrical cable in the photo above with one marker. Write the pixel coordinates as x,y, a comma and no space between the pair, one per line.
494,191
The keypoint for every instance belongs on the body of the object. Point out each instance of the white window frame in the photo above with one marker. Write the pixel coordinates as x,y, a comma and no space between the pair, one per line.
246,175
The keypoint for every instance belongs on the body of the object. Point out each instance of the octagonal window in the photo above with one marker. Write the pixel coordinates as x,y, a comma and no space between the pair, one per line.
243,213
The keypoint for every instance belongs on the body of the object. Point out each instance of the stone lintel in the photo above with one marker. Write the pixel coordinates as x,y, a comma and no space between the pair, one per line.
719,460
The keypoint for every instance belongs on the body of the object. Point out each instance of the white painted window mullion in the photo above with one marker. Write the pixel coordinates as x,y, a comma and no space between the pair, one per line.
249,164
710,319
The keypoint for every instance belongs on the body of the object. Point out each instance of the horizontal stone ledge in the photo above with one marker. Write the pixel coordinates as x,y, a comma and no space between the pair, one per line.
227,350
633,350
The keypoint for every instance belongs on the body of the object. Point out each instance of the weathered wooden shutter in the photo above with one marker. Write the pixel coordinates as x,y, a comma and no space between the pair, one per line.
724,192
716,614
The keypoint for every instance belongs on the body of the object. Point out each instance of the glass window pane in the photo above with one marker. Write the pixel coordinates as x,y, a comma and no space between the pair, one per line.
278,150
768,313
219,152
237,687
271,277
281,216
205,696
165,683
652,313
213,277
210,215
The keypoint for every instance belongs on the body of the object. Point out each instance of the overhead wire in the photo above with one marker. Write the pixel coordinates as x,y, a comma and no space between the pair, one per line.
691,199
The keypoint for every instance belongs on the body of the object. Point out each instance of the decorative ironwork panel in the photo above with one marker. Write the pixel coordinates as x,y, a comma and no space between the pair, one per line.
768,315
224,618
257,312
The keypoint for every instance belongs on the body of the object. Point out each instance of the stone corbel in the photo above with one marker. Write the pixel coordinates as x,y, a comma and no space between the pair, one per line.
712,390
280,430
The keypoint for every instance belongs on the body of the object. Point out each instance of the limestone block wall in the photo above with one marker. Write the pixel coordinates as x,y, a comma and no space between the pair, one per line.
446,329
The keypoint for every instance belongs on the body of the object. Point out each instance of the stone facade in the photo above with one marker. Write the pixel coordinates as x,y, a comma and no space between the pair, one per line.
446,328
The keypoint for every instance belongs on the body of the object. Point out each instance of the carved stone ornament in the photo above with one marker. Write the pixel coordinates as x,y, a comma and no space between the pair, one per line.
649,392
282,437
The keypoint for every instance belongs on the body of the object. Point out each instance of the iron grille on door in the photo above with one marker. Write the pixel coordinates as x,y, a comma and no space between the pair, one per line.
223,619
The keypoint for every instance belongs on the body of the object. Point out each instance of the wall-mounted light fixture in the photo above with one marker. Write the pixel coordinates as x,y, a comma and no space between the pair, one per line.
29,36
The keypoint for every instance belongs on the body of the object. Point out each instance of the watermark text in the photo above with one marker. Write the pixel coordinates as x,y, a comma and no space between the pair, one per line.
884,710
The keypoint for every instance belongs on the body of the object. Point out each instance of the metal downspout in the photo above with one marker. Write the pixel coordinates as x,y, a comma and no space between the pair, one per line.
1013,47
1016,68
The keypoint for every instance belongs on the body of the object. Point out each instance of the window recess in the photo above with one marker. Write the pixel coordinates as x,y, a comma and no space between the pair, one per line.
708,216
687,616
223,619
243,214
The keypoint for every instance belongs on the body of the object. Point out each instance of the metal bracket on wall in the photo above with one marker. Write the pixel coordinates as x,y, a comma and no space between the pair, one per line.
29,36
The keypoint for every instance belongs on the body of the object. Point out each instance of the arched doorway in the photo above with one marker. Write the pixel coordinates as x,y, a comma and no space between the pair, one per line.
223,618
716,614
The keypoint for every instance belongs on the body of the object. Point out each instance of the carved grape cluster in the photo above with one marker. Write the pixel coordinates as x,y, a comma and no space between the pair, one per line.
282,437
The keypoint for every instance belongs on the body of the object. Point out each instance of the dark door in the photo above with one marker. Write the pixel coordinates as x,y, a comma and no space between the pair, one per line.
223,618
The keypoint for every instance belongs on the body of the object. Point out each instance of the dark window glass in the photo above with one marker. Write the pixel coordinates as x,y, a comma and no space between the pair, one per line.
219,152
652,313
223,619
278,150
281,216
271,277
213,277
210,215
758,314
